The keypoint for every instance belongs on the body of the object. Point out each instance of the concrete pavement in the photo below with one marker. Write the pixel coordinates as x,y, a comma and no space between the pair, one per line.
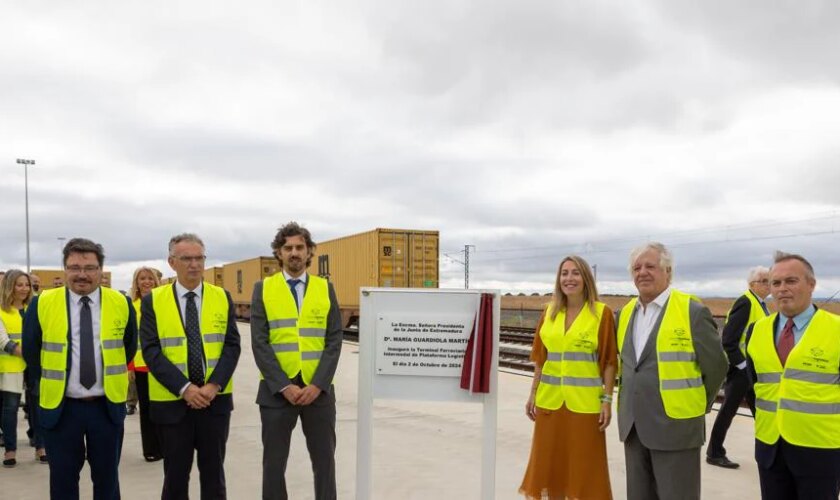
421,450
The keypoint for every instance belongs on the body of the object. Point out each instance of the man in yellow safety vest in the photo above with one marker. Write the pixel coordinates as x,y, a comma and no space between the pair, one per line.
191,346
794,358
296,337
77,342
746,310
672,365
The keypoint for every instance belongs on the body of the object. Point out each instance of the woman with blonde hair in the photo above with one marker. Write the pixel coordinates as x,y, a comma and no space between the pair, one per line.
576,358
144,280
15,294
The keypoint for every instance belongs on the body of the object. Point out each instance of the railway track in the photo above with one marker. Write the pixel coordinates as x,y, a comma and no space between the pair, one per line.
514,349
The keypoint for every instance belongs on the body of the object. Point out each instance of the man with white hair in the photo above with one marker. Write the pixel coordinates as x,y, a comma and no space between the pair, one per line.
672,367
749,308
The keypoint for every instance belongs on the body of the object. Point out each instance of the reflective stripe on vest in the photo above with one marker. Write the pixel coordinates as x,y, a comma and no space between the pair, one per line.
571,375
680,380
173,339
52,314
13,323
756,313
297,340
800,401
139,362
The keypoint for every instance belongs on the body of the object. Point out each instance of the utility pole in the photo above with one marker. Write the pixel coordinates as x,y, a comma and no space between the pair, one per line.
595,271
61,249
467,266
26,163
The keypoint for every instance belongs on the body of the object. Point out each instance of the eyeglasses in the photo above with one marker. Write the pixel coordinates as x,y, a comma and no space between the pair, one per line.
765,281
189,259
80,269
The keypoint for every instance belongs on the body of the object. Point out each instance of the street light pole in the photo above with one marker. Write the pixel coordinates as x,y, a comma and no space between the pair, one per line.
26,164
61,249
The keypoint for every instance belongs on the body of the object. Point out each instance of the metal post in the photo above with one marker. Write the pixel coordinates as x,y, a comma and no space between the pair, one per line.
467,266
26,164
61,249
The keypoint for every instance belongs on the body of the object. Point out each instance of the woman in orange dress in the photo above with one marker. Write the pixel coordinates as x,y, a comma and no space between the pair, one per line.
575,359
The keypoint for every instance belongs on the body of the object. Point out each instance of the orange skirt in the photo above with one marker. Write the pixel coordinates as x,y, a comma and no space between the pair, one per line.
568,458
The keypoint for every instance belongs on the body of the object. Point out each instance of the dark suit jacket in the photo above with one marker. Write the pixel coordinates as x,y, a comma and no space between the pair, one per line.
268,392
170,412
739,316
639,401
32,339
799,459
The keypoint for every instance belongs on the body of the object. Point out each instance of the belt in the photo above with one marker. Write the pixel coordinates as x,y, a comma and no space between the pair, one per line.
87,399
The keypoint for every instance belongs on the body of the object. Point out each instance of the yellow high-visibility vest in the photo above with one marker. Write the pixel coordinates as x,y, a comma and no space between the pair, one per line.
297,339
173,338
680,379
800,401
13,324
756,313
571,374
139,362
52,314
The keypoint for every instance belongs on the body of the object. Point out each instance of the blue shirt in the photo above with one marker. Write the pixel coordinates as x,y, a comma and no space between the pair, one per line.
800,323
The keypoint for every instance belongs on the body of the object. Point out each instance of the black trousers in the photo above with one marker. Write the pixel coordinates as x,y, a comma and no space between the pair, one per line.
735,389
318,421
789,479
200,431
148,429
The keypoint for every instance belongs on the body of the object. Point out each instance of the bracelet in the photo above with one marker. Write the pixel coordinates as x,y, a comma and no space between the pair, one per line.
606,398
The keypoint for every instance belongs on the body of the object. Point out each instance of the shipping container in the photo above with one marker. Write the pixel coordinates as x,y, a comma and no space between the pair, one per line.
402,258
239,278
214,276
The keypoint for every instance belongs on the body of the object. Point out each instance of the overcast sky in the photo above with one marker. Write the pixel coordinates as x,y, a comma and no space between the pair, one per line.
528,129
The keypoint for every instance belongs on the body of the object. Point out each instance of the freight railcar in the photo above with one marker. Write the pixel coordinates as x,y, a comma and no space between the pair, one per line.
377,258
404,258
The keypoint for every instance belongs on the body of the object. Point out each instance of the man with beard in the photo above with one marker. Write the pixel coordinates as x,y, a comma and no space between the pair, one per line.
296,337
36,284
78,340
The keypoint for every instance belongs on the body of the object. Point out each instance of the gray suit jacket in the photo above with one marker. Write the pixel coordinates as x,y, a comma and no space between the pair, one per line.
275,379
639,401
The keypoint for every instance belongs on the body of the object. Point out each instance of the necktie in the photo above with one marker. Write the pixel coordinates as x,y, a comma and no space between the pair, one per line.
785,341
87,366
293,283
195,354
764,307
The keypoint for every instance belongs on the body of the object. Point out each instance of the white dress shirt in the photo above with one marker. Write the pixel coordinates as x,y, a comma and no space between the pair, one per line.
75,389
181,292
300,288
646,317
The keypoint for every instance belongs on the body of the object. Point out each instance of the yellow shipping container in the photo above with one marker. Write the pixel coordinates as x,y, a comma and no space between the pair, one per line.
402,258
239,278
214,276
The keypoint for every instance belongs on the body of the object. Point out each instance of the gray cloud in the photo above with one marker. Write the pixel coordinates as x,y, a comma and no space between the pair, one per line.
547,128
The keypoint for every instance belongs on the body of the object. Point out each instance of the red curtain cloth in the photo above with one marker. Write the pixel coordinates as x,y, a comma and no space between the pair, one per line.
480,346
